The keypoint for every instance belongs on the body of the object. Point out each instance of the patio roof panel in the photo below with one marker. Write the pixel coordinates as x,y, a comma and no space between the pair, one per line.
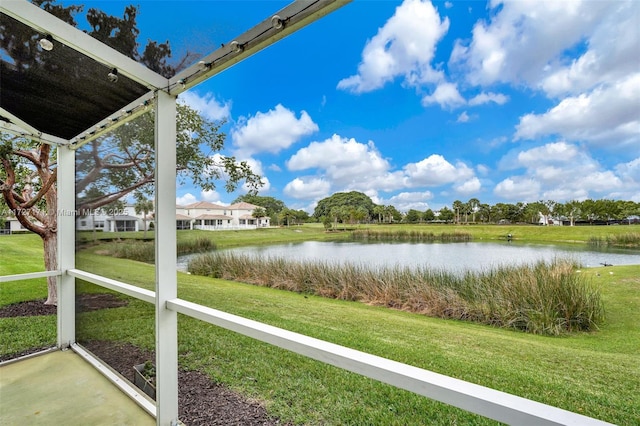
61,92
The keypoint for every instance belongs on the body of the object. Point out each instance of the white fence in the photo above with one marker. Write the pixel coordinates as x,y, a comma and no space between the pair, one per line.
477,399
224,227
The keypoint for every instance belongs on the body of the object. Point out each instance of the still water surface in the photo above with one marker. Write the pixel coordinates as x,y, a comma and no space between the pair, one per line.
454,257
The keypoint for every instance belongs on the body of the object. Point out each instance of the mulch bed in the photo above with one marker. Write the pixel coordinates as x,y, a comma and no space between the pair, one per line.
84,303
201,401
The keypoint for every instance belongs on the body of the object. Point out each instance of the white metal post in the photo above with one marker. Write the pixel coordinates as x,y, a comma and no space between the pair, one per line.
166,278
66,246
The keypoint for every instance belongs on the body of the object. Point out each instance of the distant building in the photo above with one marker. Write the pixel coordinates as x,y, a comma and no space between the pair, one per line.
200,215
11,226
210,217
121,220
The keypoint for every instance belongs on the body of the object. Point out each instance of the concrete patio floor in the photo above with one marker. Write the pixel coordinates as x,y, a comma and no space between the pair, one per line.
61,388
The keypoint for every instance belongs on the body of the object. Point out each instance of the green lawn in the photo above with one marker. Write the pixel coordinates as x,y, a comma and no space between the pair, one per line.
596,374
525,233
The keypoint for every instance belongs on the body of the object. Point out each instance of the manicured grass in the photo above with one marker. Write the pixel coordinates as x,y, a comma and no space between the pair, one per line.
595,374
21,254
575,373
224,239
523,233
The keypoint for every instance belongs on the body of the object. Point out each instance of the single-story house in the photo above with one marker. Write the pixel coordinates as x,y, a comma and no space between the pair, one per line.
12,225
123,220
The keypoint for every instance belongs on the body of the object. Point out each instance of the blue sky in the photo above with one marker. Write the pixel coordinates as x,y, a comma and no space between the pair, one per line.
420,103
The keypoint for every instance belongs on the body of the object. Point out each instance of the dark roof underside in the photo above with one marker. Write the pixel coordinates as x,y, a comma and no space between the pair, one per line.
60,92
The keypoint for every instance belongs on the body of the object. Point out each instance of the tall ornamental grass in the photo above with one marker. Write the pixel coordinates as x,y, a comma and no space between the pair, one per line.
412,235
144,251
542,298
630,239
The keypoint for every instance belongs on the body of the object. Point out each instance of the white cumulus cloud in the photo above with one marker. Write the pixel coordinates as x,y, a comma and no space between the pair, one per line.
468,187
187,198
518,188
207,105
560,171
446,95
210,195
256,167
307,188
403,47
549,153
271,131
346,162
630,171
435,170
606,116
524,38
406,201
613,48
463,117
581,54
485,98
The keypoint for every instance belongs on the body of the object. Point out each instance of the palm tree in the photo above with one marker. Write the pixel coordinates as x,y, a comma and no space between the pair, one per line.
473,204
258,214
379,211
143,206
457,208
287,214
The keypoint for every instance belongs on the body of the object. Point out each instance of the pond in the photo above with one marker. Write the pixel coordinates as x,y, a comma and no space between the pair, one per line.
454,257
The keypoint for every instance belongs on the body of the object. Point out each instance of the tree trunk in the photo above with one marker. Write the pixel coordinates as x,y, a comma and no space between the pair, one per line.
50,240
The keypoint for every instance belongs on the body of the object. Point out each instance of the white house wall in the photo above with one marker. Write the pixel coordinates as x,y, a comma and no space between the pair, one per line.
231,216
235,216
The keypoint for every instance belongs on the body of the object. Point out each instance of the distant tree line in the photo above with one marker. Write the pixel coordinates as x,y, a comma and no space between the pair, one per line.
275,209
355,207
543,211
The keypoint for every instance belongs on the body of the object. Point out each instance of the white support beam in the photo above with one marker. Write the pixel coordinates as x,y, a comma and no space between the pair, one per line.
166,259
29,276
44,22
281,24
66,246
128,289
19,122
21,128
130,112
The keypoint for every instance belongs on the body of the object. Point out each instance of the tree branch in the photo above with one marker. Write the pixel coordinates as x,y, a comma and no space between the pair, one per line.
114,196
45,188
14,205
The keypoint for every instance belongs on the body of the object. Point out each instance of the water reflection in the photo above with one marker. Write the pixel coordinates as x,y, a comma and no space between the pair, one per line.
455,257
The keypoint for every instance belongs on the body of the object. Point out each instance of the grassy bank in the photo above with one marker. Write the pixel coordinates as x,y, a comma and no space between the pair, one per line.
523,233
413,235
545,298
595,373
